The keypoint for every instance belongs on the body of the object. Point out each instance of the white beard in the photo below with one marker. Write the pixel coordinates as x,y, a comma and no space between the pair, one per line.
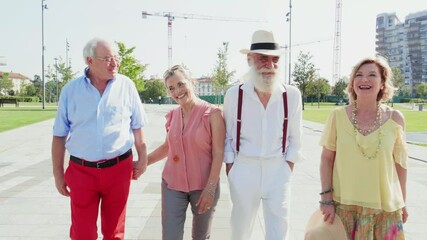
263,83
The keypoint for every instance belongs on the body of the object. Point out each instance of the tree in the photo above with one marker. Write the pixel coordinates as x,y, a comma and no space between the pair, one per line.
30,90
50,84
421,89
405,91
304,72
153,89
317,89
397,80
50,91
6,84
37,82
339,88
324,87
131,67
65,74
221,75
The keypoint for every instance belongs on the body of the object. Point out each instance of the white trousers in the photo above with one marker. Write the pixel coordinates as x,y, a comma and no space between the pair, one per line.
252,180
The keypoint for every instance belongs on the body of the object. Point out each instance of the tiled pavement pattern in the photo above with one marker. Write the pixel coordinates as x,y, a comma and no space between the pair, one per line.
31,208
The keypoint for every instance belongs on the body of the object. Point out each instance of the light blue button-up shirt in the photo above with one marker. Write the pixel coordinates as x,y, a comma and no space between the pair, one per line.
99,126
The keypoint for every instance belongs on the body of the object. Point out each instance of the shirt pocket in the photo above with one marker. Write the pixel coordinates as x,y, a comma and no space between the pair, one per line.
113,115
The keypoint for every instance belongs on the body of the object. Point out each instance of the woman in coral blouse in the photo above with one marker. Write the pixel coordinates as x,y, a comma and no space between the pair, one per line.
194,148
364,157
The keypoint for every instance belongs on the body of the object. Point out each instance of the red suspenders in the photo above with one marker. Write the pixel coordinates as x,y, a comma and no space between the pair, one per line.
239,119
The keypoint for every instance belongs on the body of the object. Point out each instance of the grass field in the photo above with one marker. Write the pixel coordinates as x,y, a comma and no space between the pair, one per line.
27,113
416,121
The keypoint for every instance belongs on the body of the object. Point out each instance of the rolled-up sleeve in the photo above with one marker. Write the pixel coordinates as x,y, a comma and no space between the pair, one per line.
230,108
61,126
138,117
293,146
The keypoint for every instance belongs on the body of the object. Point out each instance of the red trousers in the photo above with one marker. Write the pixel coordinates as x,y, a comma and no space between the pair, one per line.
91,186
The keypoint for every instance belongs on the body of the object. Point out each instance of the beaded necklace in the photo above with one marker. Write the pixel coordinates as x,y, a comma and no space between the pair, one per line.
356,128
377,121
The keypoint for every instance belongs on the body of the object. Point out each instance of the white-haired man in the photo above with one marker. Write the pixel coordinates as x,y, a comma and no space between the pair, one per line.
100,117
263,141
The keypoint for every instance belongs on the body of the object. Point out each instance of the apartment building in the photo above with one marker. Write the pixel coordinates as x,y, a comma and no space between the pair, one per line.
404,44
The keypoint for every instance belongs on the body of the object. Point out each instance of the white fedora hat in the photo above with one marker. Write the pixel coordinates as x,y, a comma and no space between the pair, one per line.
263,43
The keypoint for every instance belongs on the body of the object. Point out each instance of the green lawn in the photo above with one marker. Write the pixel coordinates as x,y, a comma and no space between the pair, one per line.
415,120
419,144
27,113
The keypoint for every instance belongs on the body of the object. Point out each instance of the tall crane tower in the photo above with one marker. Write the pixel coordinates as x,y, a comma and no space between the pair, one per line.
337,43
171,17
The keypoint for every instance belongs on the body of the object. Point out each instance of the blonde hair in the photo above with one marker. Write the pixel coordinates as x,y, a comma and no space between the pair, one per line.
173,70
178,69
387,91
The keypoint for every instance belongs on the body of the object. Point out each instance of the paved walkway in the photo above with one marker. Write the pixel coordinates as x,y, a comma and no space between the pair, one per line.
30,207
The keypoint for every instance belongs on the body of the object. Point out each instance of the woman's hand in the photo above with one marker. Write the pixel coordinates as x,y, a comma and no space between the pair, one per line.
404,215
228,167
206,201
328,212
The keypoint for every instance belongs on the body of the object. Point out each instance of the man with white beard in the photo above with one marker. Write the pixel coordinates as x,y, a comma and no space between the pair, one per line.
263,141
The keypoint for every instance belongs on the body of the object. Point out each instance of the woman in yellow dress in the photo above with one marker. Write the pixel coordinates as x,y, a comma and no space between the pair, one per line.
364,157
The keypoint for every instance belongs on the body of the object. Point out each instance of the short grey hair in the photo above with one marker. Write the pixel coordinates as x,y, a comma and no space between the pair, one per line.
89,49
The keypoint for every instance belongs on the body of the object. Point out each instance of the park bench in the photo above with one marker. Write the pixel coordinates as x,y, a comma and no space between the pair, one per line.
9,101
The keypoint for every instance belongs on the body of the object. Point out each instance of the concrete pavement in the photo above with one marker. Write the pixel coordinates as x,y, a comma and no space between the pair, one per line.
31,208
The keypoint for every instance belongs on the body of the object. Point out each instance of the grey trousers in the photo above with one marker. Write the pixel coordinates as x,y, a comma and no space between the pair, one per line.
174,208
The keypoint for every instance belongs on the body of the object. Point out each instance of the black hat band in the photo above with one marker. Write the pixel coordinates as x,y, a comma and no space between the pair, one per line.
265,46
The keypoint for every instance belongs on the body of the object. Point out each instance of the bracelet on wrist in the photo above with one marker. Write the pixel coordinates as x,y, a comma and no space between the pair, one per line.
327,202
213,184
211,192
327,191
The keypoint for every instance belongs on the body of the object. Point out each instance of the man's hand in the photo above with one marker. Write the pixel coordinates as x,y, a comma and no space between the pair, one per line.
61,186
139,168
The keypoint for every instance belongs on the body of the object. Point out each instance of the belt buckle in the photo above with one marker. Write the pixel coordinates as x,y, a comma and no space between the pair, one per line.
98,164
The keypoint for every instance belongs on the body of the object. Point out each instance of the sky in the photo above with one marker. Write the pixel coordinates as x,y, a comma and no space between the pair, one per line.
195,42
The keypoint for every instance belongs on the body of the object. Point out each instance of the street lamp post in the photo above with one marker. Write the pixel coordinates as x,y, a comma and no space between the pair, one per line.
56,78
289,19
67,48
318,93
44,6
303,93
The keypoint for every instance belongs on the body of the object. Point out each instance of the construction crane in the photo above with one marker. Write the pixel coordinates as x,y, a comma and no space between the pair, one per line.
337,43
171,17
288,71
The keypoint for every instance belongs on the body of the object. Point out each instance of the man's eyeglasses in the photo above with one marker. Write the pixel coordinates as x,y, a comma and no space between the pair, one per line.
117,59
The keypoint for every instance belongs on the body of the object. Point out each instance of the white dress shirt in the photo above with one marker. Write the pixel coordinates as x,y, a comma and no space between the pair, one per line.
262,128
